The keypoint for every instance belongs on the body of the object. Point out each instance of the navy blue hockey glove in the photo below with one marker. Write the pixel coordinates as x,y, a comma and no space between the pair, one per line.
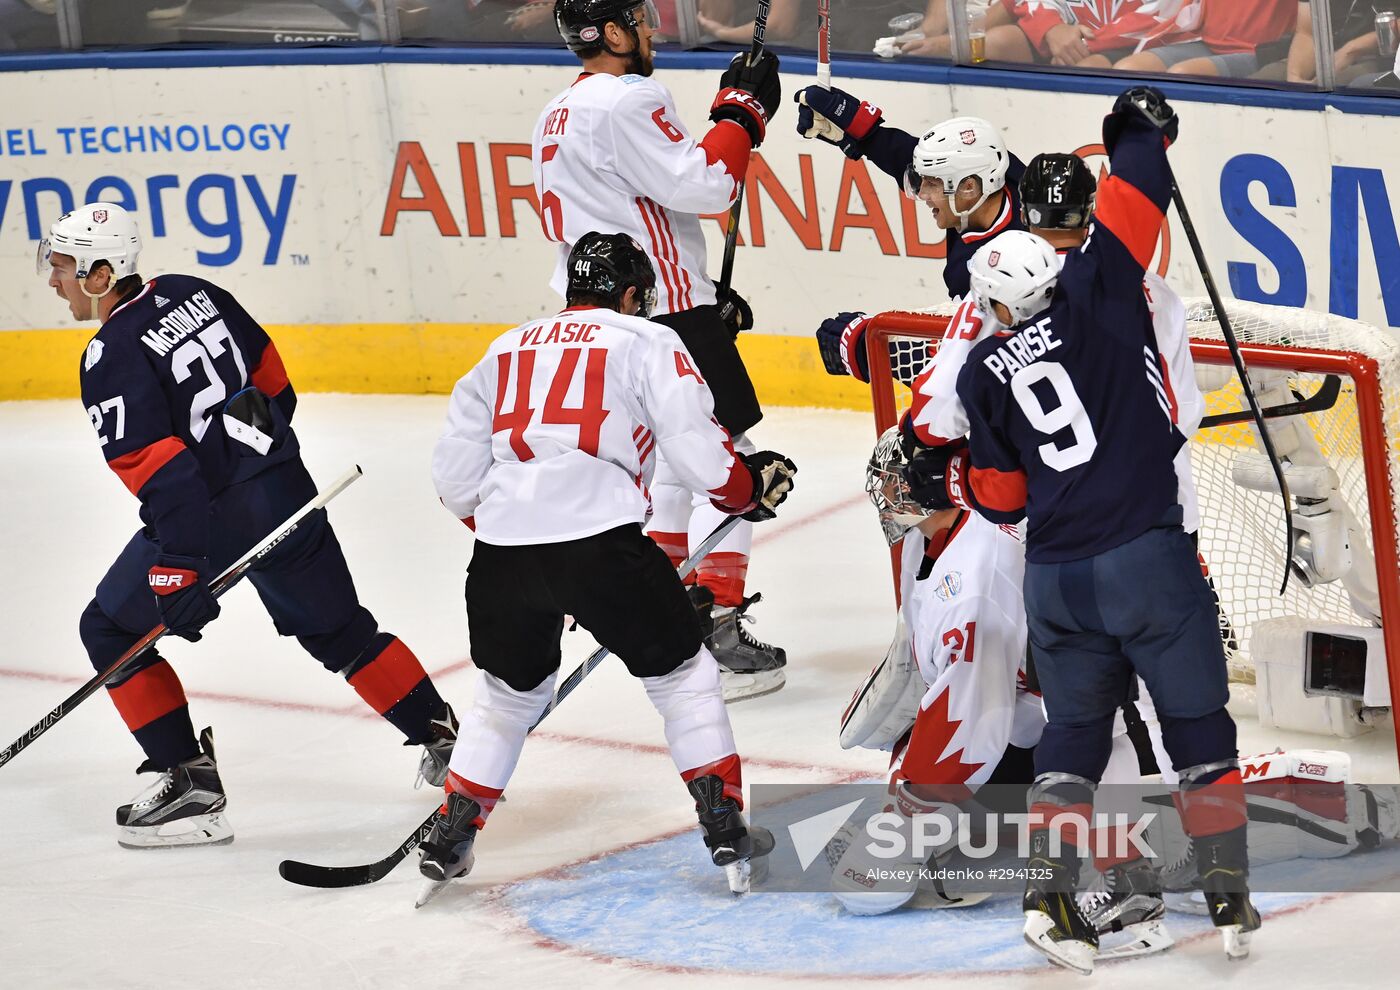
186,605
841,340
836,117
736,312
936,475
1147,102
772,481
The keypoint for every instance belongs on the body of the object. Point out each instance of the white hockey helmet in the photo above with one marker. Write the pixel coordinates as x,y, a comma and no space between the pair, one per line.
92,233
888,489
954,150
1018,270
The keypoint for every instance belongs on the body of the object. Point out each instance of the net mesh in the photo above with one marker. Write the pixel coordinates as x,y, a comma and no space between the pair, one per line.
1242,535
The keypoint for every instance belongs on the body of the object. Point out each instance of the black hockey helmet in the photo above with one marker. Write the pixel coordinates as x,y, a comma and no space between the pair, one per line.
605,266
1057,192
581,22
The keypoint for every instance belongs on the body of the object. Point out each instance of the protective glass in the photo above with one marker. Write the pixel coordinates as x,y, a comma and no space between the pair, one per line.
43,257
648,301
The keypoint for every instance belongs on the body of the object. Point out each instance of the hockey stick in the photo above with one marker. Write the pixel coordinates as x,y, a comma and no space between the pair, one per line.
1323,399
731,232
1255,412
217,587
824,44
311,875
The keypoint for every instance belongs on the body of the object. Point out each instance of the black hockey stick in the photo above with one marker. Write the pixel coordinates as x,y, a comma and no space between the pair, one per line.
731,232
311,875
1255,412
217,587
1323,399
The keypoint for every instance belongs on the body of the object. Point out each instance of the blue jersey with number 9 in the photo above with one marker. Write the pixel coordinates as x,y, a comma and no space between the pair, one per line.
1071,425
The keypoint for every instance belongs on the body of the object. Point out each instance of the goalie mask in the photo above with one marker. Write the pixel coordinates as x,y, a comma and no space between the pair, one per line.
605,266
885,484
1057,193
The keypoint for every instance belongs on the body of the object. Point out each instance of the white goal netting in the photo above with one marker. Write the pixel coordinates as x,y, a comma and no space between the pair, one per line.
1291,354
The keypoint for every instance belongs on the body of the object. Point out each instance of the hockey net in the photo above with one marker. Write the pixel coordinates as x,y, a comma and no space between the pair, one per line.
1242,535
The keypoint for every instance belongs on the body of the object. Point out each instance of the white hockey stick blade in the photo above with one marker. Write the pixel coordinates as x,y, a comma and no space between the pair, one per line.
743,686
1187,902
1071,954
1144,939
929,898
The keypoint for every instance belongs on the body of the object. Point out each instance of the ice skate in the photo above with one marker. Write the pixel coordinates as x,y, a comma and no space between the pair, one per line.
1128,901
1055,925
447,851
1224,868
185,807
437,748
748,667
741,849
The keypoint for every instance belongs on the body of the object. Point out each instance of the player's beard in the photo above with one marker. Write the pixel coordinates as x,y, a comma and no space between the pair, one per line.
639,64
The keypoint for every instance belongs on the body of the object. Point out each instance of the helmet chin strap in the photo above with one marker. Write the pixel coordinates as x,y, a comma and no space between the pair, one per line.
965,216
95,297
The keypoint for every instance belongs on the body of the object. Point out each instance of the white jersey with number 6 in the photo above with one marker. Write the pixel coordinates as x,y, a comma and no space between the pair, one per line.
553,435
610,154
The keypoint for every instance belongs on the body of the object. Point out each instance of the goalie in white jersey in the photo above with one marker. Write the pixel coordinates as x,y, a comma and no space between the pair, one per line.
548,454
612,153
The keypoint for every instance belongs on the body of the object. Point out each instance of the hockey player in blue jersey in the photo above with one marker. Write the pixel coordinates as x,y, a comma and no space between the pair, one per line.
960,169
1071,429
192,408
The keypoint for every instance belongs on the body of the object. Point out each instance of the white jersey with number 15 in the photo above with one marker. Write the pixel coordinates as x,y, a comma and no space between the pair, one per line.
610,154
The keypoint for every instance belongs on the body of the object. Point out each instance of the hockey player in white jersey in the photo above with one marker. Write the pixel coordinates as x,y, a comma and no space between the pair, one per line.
612,153
548,454
950,699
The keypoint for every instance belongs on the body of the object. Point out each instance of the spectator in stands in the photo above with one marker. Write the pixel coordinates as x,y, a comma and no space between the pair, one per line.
785,17
1004,42
1356,48
1236,38
1086,34
479,20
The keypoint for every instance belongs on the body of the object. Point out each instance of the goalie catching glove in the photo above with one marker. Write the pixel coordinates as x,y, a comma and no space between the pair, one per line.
836,117
772,481
749,95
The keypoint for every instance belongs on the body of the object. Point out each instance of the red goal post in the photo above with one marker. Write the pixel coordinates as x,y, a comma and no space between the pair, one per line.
1242,530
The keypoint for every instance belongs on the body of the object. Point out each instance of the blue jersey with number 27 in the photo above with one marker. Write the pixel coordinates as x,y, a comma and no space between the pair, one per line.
1071,425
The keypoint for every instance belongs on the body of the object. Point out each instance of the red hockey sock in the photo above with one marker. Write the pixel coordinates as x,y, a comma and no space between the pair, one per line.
724,574
389,677
148,695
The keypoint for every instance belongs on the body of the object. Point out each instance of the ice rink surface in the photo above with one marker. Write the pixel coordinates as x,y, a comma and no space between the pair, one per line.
592,873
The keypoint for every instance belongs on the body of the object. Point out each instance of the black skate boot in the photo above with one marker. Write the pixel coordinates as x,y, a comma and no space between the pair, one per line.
1223,863
1055,925
1130,901
447,851
748,667
437,748
735,845
185,807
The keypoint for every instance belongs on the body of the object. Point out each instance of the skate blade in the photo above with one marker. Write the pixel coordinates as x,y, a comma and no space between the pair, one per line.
199,830
1236,942
740,876
1145,938
429,890
742,687
1071,954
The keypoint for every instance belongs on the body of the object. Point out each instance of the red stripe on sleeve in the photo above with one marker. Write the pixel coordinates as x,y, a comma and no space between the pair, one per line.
728,142
1002,491
146,696
270,377
138,467
1133,218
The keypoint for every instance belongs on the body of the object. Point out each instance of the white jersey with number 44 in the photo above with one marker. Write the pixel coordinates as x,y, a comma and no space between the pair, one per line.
553,435
610,154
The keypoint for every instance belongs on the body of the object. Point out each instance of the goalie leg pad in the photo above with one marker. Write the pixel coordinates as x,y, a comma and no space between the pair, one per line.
886,703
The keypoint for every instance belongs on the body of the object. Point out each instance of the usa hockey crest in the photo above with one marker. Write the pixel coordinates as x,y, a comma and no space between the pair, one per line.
969,137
